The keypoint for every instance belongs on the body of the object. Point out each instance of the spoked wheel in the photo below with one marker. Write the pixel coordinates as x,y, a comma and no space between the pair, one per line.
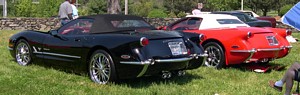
216,57
101,67
23,53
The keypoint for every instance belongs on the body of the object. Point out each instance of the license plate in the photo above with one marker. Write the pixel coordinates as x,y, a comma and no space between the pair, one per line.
272,40
177,48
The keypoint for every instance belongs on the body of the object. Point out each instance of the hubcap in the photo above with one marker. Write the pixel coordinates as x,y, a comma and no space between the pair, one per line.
214,56
100,68
22,54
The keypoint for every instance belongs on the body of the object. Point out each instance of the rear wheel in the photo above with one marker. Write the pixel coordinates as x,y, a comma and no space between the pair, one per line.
216,57
101,67
23,53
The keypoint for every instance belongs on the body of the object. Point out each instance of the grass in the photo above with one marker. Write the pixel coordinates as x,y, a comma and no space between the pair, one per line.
36,79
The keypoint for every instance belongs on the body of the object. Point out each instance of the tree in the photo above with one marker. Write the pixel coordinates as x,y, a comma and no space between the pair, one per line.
141,8
47,8
178,6
96,7
263,5
113,7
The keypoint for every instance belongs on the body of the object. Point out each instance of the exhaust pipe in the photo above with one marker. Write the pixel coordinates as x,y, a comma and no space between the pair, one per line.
166,74
264,60
180,73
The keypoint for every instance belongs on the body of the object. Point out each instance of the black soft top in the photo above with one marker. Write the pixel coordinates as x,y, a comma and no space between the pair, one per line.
103,22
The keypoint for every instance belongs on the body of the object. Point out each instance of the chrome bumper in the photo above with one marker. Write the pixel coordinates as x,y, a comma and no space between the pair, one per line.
259,50
10,48
152,61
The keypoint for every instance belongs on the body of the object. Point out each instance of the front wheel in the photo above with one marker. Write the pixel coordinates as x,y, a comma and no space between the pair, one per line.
216,57
101,67
23,53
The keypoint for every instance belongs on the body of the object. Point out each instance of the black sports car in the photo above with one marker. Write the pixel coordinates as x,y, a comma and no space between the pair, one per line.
251,21
110,47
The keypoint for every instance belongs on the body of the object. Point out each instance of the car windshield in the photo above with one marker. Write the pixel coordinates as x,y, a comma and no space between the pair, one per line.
229,21
129,23
250,17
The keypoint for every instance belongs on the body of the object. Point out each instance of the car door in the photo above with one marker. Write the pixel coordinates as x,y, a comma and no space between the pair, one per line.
65,48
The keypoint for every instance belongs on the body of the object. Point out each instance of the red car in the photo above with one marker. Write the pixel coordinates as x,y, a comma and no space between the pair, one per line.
230,41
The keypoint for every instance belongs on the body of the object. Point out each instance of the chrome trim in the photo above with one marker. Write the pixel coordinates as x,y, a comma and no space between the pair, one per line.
148,62
205,55
247,51
271,49
145,68
136,62
289,47
9,48
63,55
56,54
174,60
251,54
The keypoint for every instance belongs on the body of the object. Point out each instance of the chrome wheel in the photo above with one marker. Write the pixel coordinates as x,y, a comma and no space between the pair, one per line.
215,55
23,52
100,68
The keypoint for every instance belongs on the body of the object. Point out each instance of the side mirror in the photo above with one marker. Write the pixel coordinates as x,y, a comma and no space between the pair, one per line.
53,32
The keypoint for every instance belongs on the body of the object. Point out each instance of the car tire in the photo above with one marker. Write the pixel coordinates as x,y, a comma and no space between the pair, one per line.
23,53
216,56
101,67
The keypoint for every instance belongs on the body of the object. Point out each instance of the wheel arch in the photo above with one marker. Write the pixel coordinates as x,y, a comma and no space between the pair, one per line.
219,42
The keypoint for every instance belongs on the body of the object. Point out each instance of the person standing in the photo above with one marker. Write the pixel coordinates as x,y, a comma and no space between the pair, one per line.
65,12
196,11
75,11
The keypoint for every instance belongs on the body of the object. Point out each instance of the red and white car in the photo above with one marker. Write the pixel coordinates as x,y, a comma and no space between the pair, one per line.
230,41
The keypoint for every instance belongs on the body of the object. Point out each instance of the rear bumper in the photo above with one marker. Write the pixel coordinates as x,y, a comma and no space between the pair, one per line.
172,60
253,52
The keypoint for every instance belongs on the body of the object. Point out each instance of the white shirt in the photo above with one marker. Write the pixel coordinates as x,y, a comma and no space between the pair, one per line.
196,12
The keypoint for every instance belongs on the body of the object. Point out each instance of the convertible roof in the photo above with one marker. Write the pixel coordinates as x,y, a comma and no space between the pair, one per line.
227,12
103,22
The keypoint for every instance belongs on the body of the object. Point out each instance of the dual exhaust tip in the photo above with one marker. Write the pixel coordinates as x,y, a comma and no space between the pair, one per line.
168,74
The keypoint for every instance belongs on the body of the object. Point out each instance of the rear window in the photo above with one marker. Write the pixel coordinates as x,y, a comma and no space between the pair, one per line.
129,23
229,21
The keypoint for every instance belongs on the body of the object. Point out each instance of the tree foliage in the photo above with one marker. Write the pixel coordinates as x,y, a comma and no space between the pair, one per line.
97,7
285,9
157,13
152,8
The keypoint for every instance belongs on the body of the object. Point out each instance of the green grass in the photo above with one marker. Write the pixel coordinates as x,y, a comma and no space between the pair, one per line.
37,79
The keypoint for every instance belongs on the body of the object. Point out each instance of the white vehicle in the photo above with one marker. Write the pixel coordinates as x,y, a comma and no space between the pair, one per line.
224,21
219,21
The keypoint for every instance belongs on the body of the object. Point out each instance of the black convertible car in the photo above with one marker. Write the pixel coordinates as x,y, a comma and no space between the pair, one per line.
110,47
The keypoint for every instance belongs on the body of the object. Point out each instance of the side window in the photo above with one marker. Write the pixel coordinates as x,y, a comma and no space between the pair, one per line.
241,17
188,24
77,27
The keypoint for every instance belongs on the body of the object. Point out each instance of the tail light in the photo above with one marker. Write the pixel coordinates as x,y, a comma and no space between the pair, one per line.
288,32
144,41
201,37
249,35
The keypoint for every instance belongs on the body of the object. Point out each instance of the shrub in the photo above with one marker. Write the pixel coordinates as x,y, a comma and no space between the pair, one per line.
284,9
172,15
157,13
181,14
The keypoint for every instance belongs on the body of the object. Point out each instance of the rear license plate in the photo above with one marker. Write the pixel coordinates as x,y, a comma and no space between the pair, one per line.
177,48
272,40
